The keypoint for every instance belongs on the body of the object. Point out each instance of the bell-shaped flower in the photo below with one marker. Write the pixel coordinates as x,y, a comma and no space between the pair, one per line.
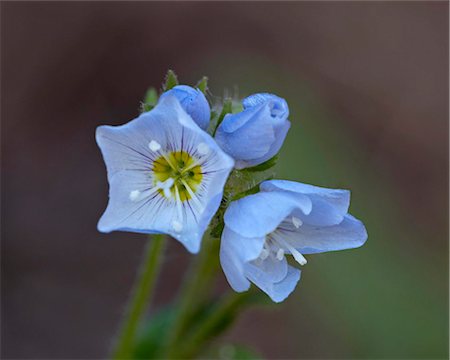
285,218
166,175
193,102
256,134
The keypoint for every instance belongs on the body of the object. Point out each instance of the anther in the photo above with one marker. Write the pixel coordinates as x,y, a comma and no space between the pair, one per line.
134,195
280,254
203,149
297,222
177,226
154,145
264,254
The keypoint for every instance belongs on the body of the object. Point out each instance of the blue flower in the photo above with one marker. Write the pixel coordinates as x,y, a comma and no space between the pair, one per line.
256,134
193,102
166,175
285,218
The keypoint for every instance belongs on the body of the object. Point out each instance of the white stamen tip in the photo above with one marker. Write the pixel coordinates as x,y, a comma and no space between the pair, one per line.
154,145
297,222
264,254
134,195
299,257
203,149
280,254
177,226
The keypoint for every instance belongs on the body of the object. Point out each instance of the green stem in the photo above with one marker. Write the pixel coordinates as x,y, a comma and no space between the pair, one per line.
223,314
140,297
199,275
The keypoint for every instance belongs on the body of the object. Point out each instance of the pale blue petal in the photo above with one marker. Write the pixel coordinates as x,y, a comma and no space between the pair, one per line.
129,160
350,233
193,102
231,262
281,131
279,107
247,249
329,206
281,290
259,214
269,270
278,291
248,134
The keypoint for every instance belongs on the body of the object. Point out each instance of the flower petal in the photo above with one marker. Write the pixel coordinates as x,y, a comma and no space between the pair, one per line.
134,204
308,239
277,291
259,214
329,206
232,261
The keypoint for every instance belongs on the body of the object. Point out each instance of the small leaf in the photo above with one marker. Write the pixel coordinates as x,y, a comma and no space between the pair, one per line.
226,109
171,80
202,85
150,100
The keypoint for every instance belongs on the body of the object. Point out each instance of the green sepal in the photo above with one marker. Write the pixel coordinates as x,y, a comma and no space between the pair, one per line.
171,80
150,100
263,166
202,85
227,108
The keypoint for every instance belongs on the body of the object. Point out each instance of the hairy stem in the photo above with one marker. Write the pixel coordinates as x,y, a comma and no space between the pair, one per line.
140,297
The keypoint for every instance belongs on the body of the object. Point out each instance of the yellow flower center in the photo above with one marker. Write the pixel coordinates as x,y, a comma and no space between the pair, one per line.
183,169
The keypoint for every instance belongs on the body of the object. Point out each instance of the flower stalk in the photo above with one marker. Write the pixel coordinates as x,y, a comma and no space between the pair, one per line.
140,297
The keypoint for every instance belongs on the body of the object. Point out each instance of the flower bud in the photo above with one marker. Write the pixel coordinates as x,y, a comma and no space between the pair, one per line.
193,102
256,134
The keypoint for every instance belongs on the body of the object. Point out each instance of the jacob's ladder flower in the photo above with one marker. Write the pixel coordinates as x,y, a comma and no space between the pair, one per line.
285,218
166,175
193,102
256,134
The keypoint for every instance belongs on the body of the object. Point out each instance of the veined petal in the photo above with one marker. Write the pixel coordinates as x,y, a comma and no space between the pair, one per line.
329,206
254,138
259,214
137,200
308,239
278,291
231,261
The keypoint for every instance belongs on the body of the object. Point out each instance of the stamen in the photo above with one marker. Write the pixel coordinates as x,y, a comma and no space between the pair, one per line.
177,226
264,254
178,204
280,254
154,146
165,186
194,197
297,222
134,195
294,252
203,149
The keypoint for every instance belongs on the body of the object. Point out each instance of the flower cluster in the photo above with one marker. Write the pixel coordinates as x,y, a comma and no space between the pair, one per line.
167,170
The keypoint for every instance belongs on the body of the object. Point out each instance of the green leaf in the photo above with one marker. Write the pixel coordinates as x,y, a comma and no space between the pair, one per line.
150,100
233,352
202,85
149,342
171,80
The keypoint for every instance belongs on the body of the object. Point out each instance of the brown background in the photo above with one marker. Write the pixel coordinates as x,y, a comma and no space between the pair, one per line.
381,69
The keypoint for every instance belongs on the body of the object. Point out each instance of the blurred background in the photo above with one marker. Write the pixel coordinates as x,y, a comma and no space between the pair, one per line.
367,86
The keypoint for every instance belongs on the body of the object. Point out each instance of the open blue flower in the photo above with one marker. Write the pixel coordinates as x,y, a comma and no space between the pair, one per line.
285,218
256,134
166,175
193,102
